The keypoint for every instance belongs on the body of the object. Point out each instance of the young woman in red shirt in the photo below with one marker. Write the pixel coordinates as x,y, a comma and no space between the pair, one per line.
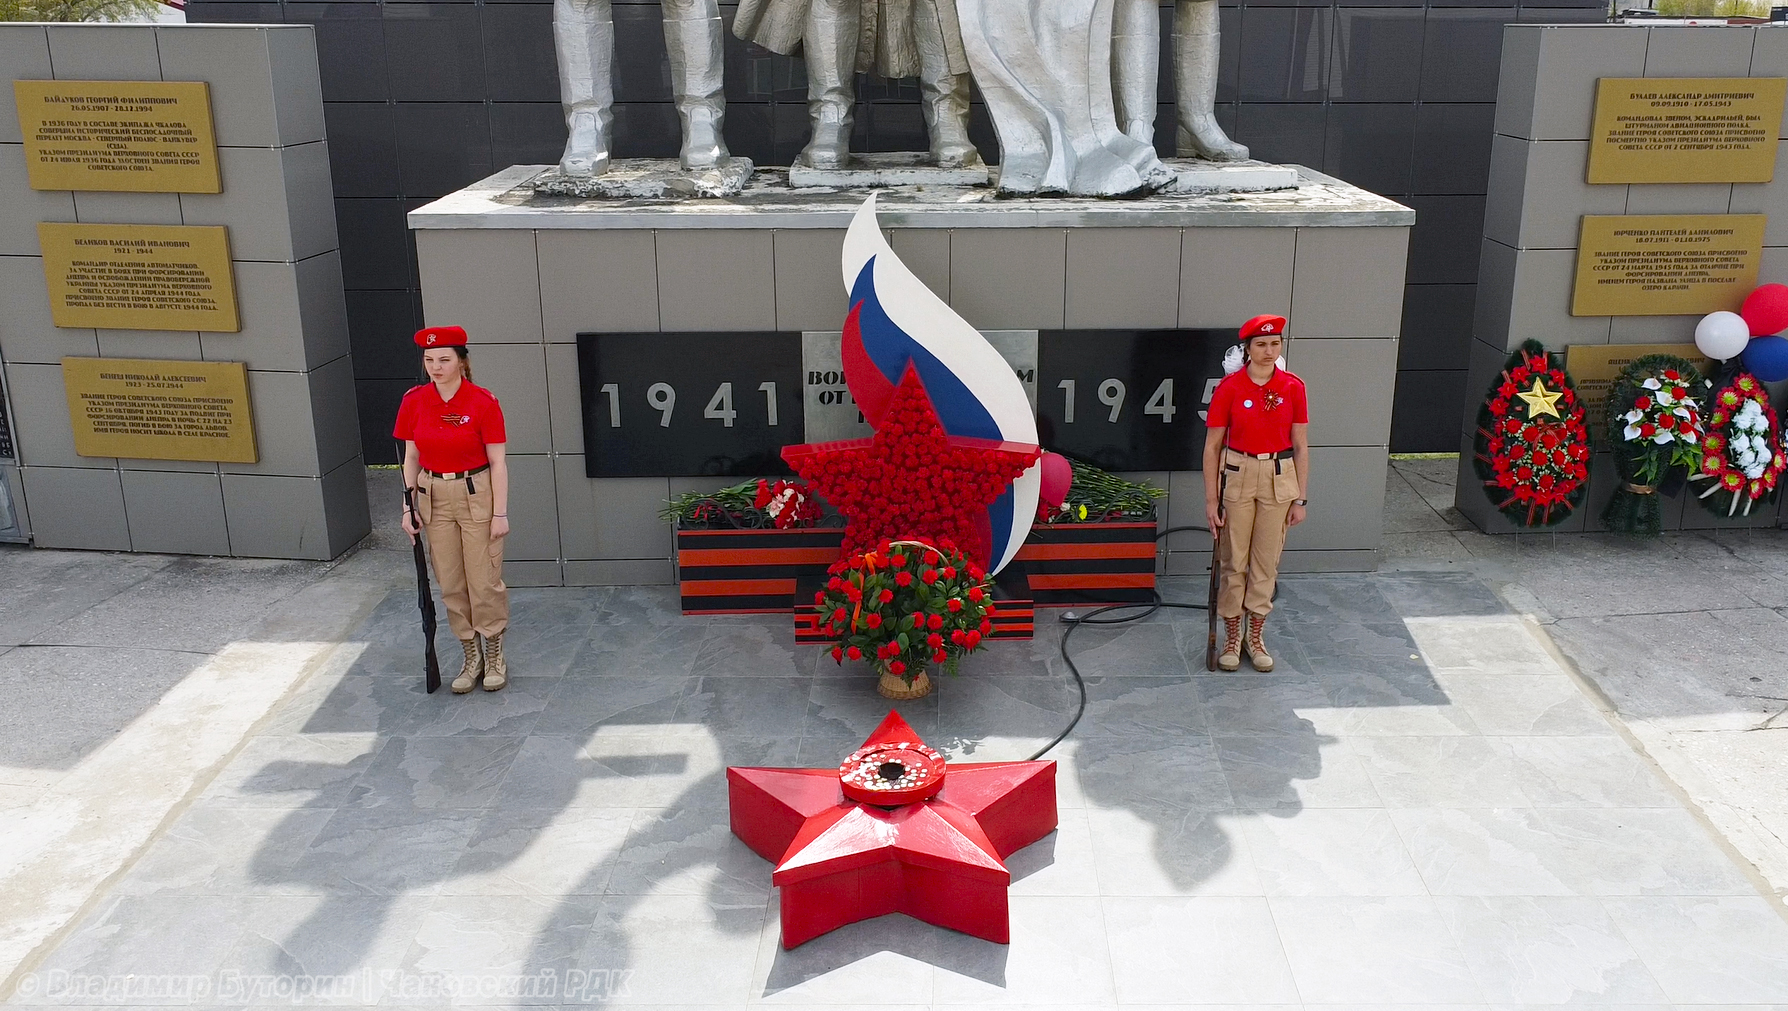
454,464
1256,482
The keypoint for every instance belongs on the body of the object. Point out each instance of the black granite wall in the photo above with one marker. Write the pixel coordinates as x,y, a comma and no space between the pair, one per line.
423,98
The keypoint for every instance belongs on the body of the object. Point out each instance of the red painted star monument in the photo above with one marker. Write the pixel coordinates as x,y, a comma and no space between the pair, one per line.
894,829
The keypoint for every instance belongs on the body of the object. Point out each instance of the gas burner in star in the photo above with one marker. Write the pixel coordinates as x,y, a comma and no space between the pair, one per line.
888,775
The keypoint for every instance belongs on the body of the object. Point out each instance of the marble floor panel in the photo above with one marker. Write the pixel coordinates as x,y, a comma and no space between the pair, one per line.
1419,808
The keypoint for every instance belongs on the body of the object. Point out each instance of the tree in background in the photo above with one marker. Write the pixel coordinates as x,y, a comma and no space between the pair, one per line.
1713,8
79,10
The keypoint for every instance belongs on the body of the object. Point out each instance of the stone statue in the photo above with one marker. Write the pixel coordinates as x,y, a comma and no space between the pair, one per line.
1135,66
893,38
584,34
1045,71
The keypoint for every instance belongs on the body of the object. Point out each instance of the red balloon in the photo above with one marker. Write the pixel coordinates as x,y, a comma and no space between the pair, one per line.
1058,477
1766,309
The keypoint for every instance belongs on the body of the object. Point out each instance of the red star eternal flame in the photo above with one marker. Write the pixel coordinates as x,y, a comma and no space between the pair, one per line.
895,829
911,479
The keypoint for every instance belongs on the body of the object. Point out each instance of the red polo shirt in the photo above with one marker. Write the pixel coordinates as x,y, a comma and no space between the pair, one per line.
1259,418
450,436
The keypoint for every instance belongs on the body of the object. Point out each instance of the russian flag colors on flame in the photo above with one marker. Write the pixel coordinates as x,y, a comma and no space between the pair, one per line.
896,321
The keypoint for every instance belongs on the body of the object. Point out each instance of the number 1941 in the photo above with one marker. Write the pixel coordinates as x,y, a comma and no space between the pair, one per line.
662,397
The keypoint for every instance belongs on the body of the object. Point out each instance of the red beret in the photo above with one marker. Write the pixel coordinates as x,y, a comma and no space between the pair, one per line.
441,337
1263,324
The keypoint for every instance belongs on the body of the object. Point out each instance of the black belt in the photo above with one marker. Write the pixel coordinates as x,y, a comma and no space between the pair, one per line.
1283,454
454,475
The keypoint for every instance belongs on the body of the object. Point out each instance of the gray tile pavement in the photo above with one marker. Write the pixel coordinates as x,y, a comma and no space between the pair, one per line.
1680,637
1424,806
1393,817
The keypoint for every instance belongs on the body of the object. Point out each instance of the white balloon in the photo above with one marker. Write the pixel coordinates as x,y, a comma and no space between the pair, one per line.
1722,335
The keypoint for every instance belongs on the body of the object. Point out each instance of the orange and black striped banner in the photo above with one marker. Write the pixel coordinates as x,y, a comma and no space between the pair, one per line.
757,571
1090,563
750,571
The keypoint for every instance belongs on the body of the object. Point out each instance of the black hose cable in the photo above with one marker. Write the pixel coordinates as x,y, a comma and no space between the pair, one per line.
1092,618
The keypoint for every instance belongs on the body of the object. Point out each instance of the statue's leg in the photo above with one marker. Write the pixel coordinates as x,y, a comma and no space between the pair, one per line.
693,37
831,47
584,35
1195,51
946,94
1136,66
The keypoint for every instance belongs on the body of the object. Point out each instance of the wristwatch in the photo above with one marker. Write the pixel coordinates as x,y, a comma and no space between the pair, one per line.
1300,501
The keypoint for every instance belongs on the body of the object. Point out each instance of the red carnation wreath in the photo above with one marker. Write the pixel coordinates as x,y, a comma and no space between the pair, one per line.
1532,449
1742,457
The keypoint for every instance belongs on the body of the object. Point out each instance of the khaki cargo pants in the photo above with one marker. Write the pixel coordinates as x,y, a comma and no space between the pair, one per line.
468,561
1257,497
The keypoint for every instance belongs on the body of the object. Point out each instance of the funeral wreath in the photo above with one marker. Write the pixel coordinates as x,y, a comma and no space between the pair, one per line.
1741,459
1532,449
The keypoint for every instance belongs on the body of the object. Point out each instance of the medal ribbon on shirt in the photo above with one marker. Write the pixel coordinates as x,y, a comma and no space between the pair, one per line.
1270,400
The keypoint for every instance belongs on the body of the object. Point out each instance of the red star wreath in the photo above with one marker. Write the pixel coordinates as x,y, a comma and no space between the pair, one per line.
912,480
1532,446
1742,449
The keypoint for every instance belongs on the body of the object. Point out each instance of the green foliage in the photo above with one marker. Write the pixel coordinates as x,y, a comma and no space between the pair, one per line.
735,506
78,10
1101,495
1713,8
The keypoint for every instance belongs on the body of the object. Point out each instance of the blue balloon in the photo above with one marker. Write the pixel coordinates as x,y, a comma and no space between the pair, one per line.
1767,357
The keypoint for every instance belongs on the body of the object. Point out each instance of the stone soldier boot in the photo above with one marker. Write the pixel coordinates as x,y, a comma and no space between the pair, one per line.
1136,67
496,670
831,53
1230,657
474,666
1257,651
585,42
946,95
698,87
1196,46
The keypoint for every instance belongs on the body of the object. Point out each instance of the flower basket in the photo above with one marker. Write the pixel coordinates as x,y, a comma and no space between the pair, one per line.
901,688
907,606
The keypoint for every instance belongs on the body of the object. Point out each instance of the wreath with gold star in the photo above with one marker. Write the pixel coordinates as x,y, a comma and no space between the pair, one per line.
1532,450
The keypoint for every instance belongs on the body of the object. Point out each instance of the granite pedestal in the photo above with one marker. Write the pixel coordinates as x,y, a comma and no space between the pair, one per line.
526,274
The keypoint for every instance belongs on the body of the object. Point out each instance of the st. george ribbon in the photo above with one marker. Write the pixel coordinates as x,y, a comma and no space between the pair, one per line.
894,321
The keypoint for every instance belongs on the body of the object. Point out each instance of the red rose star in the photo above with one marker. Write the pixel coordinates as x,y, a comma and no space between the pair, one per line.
912,480
895,829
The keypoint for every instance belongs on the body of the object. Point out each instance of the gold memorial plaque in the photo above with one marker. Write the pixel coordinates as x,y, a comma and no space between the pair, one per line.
140,277
1594,367
1685,129
1666,264
126,136
160,410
